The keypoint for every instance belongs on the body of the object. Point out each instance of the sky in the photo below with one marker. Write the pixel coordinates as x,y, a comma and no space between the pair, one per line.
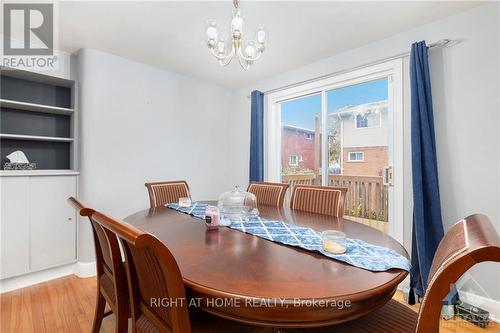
300,112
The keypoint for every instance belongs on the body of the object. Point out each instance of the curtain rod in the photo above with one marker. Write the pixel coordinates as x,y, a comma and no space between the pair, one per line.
439,44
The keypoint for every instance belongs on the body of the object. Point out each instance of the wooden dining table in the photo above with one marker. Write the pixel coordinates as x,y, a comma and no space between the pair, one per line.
242,277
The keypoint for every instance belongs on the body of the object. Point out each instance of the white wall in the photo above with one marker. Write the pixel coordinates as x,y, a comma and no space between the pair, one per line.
465,83
140,123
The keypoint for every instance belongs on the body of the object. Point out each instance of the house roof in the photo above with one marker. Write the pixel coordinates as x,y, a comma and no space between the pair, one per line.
297,128
361,108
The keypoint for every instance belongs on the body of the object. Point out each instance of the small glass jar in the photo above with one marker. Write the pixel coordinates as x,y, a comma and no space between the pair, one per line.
334,241
184,202
212,217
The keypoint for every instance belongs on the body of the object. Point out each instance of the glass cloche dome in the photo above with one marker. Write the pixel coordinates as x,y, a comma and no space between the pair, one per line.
237,204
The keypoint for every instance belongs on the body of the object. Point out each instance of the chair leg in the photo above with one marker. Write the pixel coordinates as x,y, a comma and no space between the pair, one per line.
99,312
121,322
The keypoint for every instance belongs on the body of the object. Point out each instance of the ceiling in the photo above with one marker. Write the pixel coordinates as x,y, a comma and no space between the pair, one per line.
170,34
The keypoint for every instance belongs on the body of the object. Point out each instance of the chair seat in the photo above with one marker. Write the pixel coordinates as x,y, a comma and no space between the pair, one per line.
202,322
394,317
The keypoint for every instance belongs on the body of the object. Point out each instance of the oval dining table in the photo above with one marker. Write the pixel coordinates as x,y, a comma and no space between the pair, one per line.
242,277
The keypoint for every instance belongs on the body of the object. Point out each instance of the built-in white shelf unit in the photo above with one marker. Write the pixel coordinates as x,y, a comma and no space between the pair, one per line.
38,117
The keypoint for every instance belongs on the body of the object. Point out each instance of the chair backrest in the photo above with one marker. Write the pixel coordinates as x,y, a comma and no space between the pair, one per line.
327,200
468,242
161,193
108,255
268,194
154,280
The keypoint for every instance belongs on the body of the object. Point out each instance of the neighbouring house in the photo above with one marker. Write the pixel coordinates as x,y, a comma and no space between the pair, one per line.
297,148
362,132
364,138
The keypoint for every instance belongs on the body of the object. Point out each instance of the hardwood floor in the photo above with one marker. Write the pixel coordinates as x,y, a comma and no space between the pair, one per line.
67,305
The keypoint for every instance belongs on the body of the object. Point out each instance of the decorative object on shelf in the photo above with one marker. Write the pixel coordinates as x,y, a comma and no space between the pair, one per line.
18,161
237,205
17,157
246,55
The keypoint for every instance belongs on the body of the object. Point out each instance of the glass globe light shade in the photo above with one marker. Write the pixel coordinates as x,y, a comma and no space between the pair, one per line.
221,46
237,24
212,31
261,35
250,50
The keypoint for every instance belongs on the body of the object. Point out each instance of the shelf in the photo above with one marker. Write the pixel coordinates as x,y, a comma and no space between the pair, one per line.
19,173
35,107
36,77
35,138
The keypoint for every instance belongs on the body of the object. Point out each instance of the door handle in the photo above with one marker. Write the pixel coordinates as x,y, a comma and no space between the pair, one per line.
388,176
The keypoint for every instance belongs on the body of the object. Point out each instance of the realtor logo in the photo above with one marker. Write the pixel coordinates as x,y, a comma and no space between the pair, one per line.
37,23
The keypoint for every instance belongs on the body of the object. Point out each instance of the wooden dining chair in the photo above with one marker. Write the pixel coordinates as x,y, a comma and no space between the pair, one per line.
154,277
469,242
111,277
162,193
268,194
326,200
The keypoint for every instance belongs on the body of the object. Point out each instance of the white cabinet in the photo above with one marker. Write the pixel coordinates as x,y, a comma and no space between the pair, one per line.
52,224
14,226
38,228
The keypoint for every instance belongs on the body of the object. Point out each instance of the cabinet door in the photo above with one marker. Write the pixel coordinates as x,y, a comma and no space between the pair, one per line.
14,226
52,222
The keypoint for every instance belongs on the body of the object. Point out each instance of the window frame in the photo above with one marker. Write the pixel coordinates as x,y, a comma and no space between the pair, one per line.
296,160
356,152
379,125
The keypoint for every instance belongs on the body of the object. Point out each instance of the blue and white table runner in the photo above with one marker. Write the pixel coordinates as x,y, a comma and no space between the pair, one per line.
359,253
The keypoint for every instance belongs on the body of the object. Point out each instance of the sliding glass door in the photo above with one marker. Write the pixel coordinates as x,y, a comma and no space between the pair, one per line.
341,132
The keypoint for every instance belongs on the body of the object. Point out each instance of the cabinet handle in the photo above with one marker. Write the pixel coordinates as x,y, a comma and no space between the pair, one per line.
70,218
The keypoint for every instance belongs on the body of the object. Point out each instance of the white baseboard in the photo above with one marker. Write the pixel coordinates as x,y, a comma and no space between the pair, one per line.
80,269
488,304
85,269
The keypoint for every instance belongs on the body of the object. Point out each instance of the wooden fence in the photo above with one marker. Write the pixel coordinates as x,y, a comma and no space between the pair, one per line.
366,197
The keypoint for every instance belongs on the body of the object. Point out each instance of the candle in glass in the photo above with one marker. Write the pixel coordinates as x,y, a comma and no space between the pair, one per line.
184,202
334,241
212,217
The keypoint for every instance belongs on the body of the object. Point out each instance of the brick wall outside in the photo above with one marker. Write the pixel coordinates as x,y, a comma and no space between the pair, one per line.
374,161
294,142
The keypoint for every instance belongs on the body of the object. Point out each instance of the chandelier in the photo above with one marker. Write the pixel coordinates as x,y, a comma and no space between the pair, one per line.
246,55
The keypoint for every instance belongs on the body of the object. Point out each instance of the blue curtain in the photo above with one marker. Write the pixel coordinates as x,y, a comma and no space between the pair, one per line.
427,223
257,137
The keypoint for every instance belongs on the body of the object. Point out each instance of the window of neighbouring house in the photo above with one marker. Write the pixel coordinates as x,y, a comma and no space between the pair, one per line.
309,136
367,120
356,156
293,160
